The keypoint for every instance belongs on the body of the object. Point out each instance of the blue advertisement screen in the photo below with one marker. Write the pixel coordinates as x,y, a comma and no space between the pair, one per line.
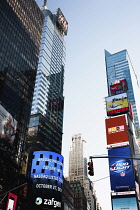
121,169
47,180
129,203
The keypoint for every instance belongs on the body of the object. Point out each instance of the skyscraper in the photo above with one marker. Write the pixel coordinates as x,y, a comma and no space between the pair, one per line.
122,85
46,121
78,167
20,29
119,67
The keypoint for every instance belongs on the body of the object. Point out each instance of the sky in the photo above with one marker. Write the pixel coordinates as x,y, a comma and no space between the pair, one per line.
93,27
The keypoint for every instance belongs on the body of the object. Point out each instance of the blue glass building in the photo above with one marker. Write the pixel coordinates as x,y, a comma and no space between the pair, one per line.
119,67
46,122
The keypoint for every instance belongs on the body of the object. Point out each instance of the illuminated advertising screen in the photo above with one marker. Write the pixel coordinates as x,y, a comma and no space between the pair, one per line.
62,21
7,128
117,104
124,201
47,178
12,201
116,130
56,104
119,86
121,169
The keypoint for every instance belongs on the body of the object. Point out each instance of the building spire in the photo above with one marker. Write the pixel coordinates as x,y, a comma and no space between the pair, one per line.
45,3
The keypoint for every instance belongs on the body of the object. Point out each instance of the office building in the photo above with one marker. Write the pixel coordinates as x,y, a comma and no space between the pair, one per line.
122,86
80,201
119,67
20,29
67,196
46,121
78,167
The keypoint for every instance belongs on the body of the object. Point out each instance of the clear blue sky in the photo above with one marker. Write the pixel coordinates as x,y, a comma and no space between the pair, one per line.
93,27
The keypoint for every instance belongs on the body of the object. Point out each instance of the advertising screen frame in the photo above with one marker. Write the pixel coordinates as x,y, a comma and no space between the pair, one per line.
116,130
121,169
117,104
47,179
11,202
124,200
120,86
62,21
8,126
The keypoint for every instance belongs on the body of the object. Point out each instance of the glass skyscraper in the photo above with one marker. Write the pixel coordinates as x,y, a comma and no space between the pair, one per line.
46,121
21,25
119,67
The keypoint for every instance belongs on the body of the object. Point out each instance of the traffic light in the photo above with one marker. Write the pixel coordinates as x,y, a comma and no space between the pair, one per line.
90,168
24,191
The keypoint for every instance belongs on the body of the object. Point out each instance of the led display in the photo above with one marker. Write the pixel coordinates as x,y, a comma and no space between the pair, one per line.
121,169
7,128
116,130
119,86
117,104
47,178
62,21
12,201
124,200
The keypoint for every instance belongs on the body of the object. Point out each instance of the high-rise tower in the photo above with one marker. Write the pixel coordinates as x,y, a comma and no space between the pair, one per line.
20,38
78,168
122,100
46,121
118,68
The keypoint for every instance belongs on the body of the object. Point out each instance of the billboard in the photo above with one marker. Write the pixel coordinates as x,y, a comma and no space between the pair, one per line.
116,130
119,86
117,104
121,169
47,177
62,21
124,200
7,127
12,201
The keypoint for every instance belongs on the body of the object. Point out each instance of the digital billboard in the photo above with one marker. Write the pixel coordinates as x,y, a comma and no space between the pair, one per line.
62,21
119,86
47,178
117,104
12,201
124,201
121,169
7,127
116,130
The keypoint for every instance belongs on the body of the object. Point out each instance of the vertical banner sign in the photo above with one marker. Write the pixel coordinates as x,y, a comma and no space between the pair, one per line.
7,128
12,201
47,177
121,169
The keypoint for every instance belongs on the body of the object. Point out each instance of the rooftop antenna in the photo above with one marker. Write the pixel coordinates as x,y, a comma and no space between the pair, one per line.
45,3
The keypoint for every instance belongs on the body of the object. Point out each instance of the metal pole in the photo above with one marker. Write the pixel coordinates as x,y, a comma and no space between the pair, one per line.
94,157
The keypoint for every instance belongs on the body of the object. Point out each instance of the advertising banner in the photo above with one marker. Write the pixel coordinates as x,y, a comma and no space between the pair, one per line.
124,201
12,201
116,130
47,178
119,86
121,169
7,127
117,104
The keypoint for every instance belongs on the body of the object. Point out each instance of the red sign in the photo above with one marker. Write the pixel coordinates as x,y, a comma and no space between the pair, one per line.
12,201
116,130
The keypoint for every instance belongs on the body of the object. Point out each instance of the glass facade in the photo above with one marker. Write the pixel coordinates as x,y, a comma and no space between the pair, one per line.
20,30
48,99
119,67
